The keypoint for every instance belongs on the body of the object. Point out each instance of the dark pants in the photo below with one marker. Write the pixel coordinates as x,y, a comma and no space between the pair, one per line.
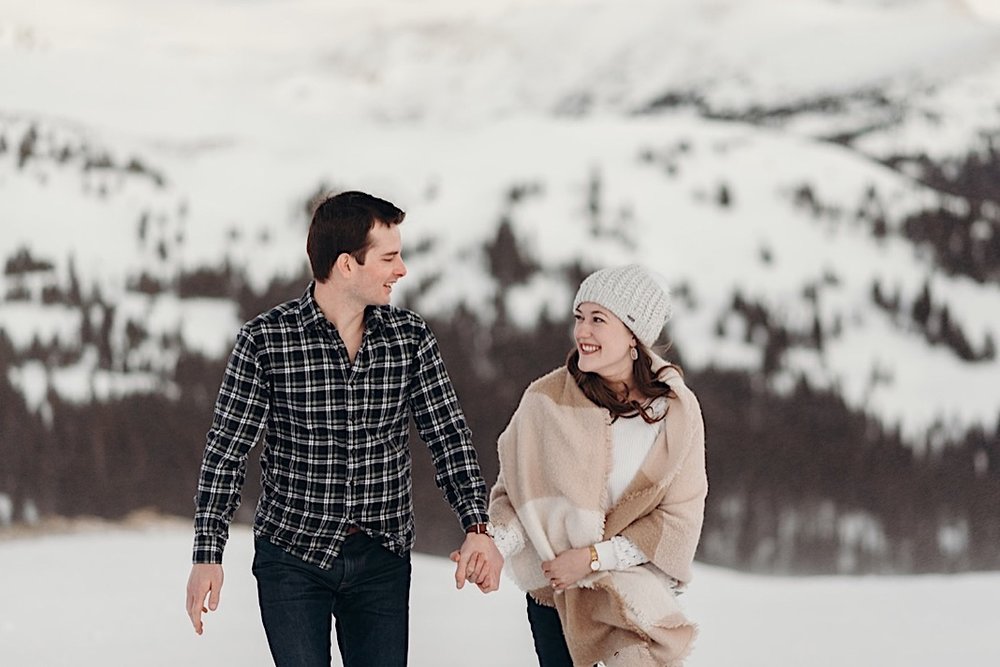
367,591
546,630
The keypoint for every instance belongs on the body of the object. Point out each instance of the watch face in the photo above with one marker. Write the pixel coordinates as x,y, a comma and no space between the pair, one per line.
595,565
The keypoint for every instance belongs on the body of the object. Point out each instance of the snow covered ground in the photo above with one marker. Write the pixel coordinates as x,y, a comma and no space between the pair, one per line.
113,596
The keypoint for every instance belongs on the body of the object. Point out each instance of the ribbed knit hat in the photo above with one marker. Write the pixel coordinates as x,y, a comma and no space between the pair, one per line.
637,296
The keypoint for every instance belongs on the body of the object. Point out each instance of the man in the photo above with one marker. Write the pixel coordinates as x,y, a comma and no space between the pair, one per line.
331,380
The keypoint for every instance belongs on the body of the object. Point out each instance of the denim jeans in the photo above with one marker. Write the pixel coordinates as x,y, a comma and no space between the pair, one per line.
546,630
367,591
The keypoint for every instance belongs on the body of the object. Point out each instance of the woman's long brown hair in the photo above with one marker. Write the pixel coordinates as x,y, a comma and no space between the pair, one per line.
615,399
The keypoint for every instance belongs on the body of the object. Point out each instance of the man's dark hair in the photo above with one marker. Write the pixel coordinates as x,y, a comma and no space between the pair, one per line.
341,224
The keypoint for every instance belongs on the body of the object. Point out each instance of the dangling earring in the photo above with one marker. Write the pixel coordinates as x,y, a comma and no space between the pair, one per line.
632,352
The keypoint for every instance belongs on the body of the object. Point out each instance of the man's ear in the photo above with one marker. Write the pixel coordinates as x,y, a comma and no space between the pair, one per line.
344,264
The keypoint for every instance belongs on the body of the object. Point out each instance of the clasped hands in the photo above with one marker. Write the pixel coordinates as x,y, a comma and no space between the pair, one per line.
562,572
479,561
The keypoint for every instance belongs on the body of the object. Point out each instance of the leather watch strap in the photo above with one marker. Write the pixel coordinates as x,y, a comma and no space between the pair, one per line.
478,529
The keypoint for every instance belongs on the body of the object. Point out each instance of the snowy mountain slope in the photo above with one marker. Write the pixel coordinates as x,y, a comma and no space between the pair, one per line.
656,184
229,192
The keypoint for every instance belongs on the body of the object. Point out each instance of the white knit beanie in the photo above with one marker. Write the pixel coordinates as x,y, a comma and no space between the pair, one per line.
637,296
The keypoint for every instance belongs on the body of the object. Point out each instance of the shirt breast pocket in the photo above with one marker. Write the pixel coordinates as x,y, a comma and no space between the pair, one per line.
384,398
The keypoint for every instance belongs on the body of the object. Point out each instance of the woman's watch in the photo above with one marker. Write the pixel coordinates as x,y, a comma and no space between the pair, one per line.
595,559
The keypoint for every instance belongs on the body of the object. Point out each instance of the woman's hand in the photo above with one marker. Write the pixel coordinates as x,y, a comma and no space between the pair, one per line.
567,568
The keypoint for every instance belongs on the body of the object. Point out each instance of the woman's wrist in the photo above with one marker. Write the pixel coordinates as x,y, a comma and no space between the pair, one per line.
583,562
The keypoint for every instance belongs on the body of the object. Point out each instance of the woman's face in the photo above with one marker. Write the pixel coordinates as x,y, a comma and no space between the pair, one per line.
603,342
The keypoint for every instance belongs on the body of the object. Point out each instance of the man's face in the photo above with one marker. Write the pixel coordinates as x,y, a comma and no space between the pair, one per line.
382,268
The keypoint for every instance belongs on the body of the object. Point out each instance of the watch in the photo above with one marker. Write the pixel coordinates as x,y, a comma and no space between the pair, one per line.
481,529
595,559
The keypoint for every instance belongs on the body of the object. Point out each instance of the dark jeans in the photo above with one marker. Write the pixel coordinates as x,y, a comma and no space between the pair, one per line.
546,630
367,591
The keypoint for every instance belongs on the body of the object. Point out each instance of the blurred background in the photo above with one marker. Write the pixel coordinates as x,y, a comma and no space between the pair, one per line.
819,181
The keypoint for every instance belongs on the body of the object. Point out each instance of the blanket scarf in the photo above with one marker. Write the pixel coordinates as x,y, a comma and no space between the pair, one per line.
555,458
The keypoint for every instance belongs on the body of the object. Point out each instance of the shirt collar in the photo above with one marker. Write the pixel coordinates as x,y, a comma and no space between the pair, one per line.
375,317
313,316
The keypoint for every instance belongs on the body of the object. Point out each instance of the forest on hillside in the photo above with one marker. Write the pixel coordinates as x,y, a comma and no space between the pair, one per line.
799,482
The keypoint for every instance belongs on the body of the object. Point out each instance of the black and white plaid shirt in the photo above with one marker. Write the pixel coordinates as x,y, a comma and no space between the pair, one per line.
336,446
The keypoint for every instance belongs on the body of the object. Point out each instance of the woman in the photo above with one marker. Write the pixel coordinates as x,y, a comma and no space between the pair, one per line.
599,503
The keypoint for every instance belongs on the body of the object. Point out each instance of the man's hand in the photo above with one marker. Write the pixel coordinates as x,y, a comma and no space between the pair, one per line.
478,561
205,579
567,568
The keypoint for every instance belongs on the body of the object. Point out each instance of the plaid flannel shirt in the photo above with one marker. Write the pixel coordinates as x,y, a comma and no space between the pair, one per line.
335,447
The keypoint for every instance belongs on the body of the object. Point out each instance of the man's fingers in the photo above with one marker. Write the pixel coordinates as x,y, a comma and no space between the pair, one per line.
470,565
479,572
204,590
461,569
490,580
475,567
194,612
480,564
454,556
192,609
213,598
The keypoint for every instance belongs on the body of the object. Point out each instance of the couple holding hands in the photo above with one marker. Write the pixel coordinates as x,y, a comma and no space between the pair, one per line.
596,512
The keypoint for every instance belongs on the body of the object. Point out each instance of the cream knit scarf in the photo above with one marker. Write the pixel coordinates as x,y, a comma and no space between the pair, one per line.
555,457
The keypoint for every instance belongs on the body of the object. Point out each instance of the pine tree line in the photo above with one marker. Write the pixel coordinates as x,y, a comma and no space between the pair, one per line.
799,482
